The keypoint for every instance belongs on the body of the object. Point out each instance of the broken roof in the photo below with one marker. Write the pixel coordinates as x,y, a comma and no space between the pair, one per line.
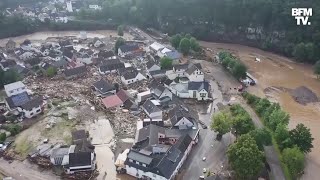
103,86
8,63
173,54
110,65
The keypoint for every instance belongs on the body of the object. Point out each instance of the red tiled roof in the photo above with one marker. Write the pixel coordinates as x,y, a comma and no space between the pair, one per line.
122,95
112,101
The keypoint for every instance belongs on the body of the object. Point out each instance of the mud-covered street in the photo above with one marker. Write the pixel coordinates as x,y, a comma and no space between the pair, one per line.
280,72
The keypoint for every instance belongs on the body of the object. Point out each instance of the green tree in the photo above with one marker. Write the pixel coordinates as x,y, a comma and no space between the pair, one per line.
317,69
245,157
120,41
239,71
262,136
226,61
262,105
166,63
232,63
278,117
10,76
120,30
282,137
3,137
302,137
51,71
294,159
194,45
221,123
175,41
184,46
224,54
299,51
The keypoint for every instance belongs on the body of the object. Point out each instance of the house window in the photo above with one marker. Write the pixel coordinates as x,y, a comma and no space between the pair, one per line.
11,91
128,81
203,94
38,110
154,175
31,114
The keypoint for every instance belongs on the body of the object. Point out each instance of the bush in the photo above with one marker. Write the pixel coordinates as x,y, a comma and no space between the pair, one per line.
14,129
294,159
3,137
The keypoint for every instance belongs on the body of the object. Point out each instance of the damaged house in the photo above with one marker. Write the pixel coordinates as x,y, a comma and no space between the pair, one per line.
130,75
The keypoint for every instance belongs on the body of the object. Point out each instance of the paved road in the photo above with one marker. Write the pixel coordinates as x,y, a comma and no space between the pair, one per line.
270,152
214,151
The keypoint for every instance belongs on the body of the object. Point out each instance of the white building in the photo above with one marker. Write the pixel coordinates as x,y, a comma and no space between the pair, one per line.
15,88
31,108
194,90
194,74
154,113
69,6
81,161
130,75
156,47
95,7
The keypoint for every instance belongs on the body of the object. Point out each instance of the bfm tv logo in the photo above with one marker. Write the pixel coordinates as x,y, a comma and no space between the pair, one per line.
302,15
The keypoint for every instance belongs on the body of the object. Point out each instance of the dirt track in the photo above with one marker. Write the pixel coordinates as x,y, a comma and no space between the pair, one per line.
278,71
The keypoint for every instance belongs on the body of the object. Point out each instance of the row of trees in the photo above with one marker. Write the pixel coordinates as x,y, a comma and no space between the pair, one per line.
246,156
185,43
228,61
294,143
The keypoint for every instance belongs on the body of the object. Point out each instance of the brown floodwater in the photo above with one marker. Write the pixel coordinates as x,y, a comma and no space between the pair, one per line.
278,71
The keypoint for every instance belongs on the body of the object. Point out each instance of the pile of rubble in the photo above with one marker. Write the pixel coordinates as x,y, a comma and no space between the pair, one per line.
80,175
42,162
124,123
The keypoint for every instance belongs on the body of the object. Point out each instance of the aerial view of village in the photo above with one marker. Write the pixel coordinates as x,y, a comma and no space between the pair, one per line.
158,90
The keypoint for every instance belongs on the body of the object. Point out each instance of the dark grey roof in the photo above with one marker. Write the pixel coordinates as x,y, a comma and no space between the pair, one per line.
34,61
167,82
33,103
177,113
17,100
150,64
103,86
198,66
78,134
60,63
79,159
191,69
198,86
106,54
181,66
149,107
110,65
158,90
150,133
8,63
158,72
75,71
129,47
128,73
139,157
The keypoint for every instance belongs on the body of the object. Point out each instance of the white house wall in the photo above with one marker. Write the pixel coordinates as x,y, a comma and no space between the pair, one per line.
31,113
184,122
133,172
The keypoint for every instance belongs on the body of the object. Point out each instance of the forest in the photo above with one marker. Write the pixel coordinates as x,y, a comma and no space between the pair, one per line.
266,24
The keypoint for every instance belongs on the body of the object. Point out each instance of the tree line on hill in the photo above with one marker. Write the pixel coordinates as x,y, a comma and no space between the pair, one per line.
264,24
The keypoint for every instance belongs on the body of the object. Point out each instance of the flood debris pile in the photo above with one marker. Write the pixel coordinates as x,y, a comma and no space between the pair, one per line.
304,95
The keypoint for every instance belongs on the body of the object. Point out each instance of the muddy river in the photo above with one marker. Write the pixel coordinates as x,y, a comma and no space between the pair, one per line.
278,71
273,70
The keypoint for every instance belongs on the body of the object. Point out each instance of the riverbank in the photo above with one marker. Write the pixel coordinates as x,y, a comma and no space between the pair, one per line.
284,73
